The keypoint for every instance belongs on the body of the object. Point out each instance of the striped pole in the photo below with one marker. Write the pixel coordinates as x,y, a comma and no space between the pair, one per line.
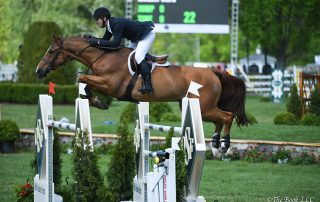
58,124
163,128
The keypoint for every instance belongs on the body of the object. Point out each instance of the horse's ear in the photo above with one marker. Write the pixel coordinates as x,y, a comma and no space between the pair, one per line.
55,37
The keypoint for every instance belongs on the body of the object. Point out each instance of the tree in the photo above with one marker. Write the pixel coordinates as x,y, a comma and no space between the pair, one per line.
315,101
36,43
73,16
122,165
294,104
284,29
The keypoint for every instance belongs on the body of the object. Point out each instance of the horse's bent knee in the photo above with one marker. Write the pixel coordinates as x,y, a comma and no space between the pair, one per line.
82,78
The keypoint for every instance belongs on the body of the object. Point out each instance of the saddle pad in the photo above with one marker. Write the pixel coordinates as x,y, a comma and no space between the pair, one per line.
154,64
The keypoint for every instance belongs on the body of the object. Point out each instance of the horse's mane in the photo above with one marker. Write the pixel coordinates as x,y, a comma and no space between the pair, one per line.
81,37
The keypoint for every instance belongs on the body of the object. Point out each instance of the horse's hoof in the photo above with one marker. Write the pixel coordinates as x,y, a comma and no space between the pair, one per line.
96,102
224,149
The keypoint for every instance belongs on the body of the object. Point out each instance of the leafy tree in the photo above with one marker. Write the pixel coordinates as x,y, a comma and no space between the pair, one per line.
74,16
88,179
294,103
315,101
284,29
122,165
36,43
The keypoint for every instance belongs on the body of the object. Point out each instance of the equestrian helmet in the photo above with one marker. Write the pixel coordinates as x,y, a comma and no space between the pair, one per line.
101,12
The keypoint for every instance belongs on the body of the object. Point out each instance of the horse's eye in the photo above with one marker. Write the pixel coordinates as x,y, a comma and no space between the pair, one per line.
50,51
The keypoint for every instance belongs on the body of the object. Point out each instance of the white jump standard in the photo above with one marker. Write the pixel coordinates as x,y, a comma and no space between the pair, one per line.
160,185
43,181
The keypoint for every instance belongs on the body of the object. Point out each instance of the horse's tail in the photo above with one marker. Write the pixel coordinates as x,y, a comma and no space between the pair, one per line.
233,96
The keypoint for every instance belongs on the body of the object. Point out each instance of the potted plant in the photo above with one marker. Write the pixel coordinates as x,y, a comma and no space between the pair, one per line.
9,132
281,156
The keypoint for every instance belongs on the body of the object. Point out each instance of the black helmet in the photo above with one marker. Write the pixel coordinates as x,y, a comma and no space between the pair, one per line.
101,12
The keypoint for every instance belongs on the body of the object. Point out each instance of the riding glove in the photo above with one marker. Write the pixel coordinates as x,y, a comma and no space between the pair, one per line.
94,41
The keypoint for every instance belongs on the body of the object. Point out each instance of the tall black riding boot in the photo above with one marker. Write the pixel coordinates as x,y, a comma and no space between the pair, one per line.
146,76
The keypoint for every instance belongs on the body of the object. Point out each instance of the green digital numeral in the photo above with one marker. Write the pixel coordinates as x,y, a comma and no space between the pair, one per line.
189,17
162,8
162,19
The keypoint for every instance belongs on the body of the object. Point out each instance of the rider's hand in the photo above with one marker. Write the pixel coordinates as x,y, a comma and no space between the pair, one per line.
87,36
93,41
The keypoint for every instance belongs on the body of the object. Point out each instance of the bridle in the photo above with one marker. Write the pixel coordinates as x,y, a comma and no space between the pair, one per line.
56,53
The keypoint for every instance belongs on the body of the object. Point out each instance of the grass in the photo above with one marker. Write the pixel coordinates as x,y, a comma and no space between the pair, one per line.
263,111
221,181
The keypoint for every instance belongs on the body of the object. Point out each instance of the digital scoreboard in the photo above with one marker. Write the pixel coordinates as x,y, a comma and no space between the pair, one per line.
185,16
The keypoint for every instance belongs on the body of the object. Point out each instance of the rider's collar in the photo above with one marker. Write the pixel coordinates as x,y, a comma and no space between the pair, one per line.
108,26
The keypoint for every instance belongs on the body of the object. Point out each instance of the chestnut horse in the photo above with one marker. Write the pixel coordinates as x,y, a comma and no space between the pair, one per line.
222,97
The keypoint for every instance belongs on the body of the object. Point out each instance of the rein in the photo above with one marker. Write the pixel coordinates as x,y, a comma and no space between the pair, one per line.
51,62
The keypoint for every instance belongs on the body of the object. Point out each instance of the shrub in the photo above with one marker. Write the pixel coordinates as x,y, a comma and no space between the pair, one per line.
251,118
88,184
310,120
104,148
29,93
253,155
129,112
121,169
280,154
234,154
24,193
304,158
294,104
315,102
9,131
158,109
170,117
285,118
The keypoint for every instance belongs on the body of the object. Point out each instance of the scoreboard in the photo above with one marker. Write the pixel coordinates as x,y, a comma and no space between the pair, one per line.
185,16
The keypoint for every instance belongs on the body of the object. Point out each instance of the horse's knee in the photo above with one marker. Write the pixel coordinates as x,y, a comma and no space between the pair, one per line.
83,78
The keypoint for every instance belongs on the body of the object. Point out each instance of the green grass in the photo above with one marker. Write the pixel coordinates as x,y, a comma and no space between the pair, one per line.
264,112
222,181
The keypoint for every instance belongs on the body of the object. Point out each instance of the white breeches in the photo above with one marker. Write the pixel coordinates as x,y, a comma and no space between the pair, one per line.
142,47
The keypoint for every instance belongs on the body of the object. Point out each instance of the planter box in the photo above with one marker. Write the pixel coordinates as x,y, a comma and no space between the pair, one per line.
283,161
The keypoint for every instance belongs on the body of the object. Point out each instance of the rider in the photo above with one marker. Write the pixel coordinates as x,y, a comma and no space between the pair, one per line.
140,34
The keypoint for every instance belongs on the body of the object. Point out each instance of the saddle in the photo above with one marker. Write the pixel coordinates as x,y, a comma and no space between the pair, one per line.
160,59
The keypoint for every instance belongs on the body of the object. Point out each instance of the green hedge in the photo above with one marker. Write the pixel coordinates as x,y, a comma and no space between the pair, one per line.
29,93
285,118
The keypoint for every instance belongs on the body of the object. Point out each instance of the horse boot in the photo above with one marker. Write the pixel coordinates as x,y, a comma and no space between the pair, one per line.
146,76
95,101
226,143
216,141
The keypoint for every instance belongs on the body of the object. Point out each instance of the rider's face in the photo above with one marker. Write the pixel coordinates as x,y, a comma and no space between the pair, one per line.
100,22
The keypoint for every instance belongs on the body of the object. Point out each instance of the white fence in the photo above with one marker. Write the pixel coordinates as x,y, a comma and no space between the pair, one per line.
262,84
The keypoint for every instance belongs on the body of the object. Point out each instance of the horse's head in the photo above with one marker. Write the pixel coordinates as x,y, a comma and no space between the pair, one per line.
53,58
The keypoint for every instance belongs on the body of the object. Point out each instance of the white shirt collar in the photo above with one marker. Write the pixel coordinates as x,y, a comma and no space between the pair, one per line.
108,27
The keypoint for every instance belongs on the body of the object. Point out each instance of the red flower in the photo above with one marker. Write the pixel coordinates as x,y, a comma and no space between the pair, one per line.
23,193
27,186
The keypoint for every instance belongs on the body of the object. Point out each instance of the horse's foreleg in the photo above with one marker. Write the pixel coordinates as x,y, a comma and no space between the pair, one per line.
96,84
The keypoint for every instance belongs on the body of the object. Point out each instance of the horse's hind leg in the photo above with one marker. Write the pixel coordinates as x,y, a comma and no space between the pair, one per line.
220,118
216,135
